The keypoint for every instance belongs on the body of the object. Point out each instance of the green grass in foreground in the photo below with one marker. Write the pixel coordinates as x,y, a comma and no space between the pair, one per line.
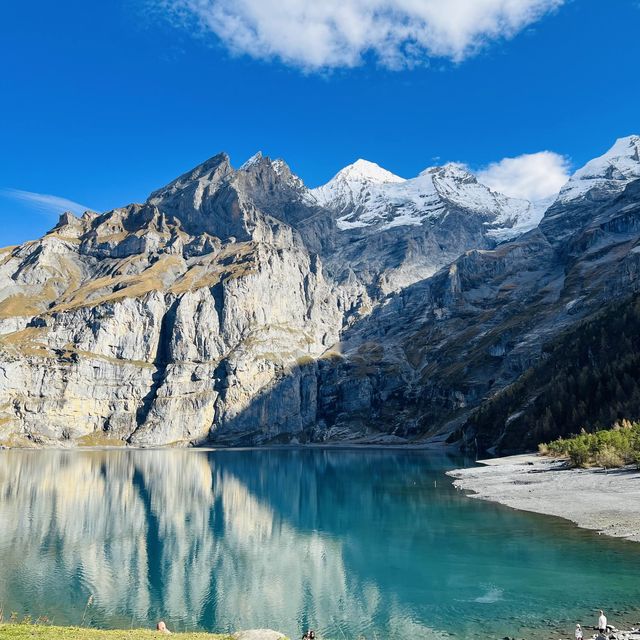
609,448
46,632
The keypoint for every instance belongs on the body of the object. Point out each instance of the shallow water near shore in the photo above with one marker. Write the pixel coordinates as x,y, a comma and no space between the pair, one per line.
354,543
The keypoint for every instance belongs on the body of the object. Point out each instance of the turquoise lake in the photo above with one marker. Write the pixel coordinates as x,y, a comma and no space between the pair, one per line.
356,544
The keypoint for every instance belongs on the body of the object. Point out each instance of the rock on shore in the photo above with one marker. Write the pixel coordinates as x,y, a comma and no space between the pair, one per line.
259,634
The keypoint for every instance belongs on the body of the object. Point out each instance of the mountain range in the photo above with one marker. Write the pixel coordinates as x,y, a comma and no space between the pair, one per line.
238,306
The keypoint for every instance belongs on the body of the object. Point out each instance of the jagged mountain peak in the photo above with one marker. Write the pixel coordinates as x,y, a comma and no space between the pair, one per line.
216,199
254,159
258,161
212,170
455,170
269,180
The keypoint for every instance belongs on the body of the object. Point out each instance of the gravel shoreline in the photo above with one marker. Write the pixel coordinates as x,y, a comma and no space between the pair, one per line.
591,498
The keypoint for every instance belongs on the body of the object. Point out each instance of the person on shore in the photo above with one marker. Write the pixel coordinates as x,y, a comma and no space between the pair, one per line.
602,622
162,627
579,635
310,635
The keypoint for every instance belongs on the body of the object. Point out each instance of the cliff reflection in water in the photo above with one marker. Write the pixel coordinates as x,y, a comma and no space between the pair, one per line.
351,543
226,540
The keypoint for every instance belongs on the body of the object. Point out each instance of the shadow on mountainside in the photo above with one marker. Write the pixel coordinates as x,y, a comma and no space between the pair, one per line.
426,359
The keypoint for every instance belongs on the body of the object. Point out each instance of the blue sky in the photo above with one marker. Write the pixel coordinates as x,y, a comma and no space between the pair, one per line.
104,102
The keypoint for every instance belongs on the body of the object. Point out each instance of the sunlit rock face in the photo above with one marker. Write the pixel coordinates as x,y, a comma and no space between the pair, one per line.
166,341
237,306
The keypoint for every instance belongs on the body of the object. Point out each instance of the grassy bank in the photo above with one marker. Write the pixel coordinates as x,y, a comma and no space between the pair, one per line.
46,632
608,448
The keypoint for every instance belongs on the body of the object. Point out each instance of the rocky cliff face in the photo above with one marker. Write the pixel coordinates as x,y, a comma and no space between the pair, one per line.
240,306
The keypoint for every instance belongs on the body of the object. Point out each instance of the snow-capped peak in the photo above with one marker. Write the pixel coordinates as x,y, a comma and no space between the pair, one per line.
366,195
365,171
353,185
610,172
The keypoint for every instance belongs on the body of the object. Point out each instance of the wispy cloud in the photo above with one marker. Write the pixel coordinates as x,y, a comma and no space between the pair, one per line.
533,176
339,33
45,203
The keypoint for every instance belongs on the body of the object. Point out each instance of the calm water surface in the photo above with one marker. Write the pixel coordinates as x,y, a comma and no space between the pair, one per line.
373,544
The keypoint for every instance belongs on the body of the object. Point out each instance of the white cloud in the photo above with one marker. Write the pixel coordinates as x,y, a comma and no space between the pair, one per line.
533,176
315,34
45,203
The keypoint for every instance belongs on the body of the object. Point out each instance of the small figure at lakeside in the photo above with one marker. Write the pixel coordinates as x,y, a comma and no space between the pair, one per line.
309,635
162,627
579,635
602,622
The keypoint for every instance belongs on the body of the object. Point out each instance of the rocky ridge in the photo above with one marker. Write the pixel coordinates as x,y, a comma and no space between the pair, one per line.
241,306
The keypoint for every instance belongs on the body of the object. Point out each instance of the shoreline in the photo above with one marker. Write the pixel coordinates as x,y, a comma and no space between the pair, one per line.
45,631
602,501
355,446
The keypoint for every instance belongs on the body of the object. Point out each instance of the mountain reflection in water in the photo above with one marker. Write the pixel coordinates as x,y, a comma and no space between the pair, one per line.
351,543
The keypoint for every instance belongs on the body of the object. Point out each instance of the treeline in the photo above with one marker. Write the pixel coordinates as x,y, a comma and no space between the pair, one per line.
609,448
589,378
